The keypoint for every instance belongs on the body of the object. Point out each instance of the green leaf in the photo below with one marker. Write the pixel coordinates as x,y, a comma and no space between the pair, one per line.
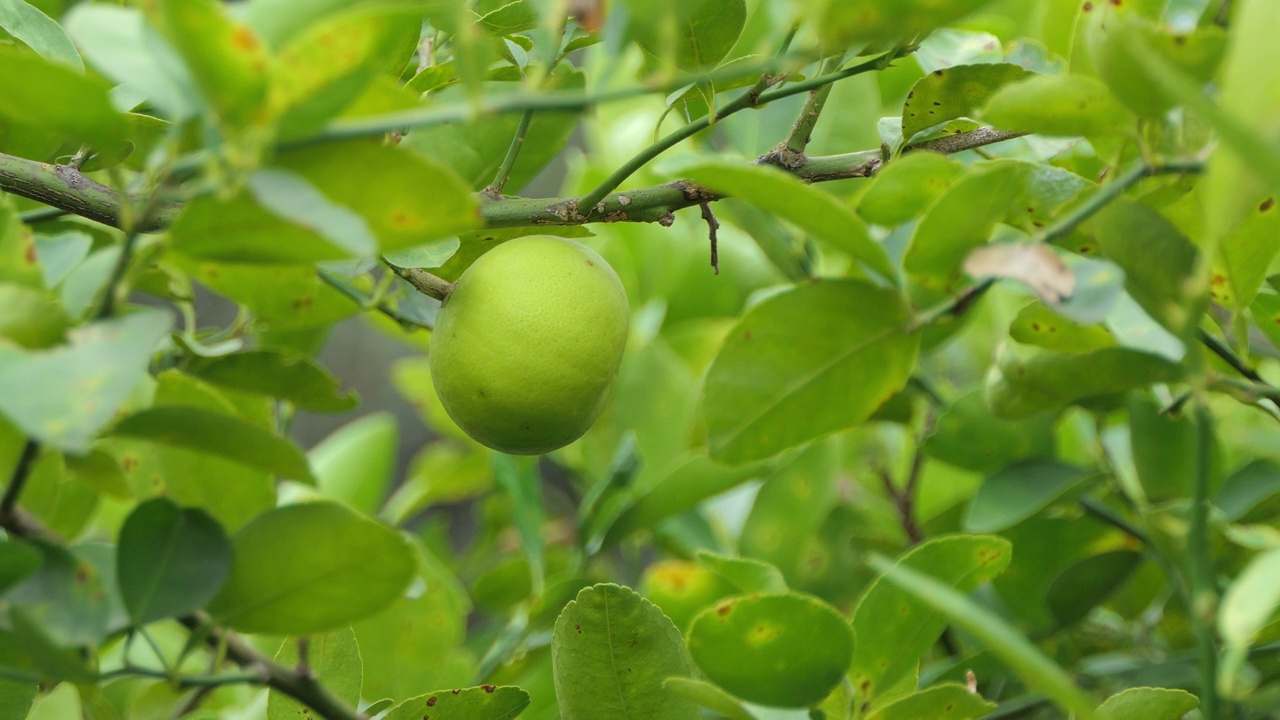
279,218
487,702
1088,583
747,574
57,99
643,648
906,187
16,698
1248,251
334,658
309,568
1006,643
895,628
520,480
65,597
1037,325
119,43
227,60
31,318
17,561
848,21
968,436
1145,703
691,481
786,650
63,396
39,32
1113,47
1246,488
170,560
1016,492
948,701
1157,259
56,498
809,208
217,434
282,297
687,34
1248,161
708,696
1251,601
791,507
287,376
955,92
769,387
1063,105
60,254
441,473
1017,193
356,463
1024,382
1164,450
383,184
326,65
1099,290
415,643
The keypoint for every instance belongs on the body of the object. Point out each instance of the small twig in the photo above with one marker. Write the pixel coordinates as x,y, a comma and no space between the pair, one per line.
304,658
423,281
960,142
757,95
790,153
1204,590
713,225
19,478
306,691
509,162
1060,227
1228,356
368,303
133,227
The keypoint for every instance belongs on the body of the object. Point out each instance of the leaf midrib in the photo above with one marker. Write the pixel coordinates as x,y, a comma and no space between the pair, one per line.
800,383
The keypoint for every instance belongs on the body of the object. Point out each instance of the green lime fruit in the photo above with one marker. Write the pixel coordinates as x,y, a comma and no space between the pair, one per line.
528,344
682,589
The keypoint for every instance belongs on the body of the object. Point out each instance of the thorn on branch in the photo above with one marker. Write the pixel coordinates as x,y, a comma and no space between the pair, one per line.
713,225
304,658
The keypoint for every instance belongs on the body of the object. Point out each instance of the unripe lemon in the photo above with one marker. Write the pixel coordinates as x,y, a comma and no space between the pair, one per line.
528,344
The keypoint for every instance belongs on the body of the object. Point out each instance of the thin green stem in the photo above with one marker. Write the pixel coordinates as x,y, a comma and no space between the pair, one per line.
303,688
21,471
133,225
155,648
757,95
366,302
1060,227
188,681
513,152
521,102
750,98
1204,591
1220,348
790,152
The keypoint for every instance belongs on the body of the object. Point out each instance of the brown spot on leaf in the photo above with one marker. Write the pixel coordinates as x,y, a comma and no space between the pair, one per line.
431,701
1267,204
488,688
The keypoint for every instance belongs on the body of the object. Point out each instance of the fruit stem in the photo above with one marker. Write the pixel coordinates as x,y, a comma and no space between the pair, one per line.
423,281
